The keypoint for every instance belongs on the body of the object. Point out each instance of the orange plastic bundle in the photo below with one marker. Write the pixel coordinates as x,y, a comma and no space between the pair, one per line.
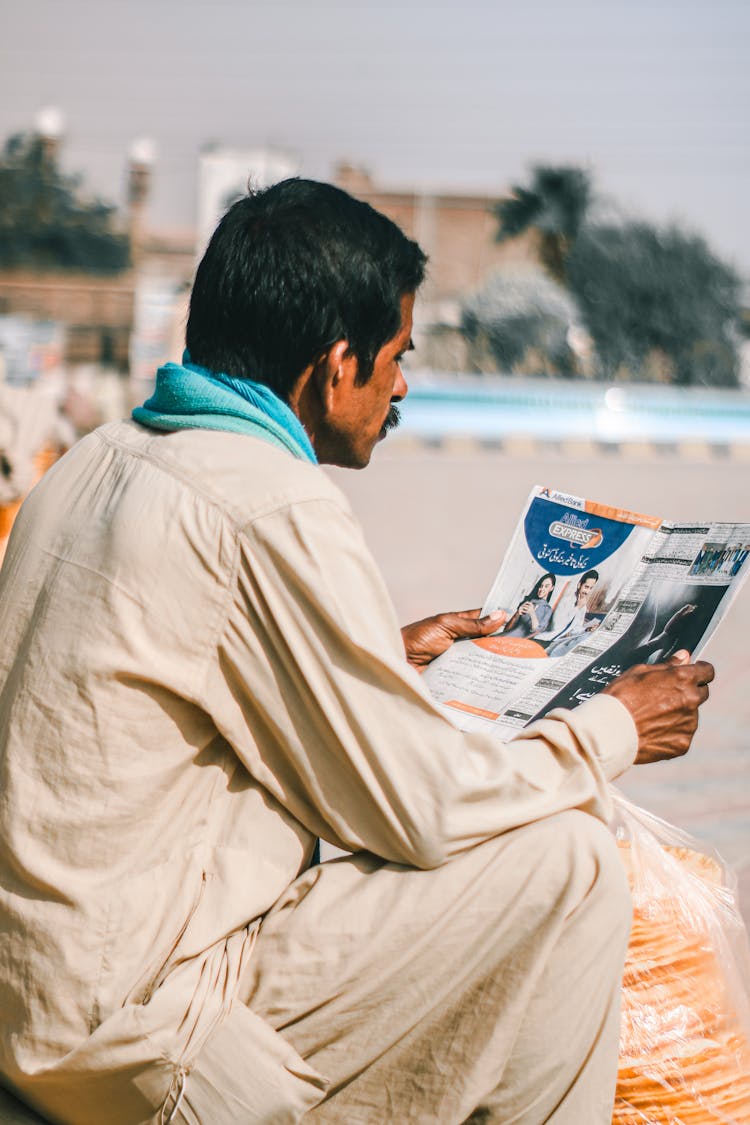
685,1032
43,460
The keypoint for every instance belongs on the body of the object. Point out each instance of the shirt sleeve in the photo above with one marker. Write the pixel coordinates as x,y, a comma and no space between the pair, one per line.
318,701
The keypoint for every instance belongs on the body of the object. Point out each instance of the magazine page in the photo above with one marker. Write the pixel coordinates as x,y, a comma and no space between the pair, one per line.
682,589
562,575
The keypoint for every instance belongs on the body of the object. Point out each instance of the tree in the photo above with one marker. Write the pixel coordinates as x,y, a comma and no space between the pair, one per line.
517,315
643,288
46,223
555,204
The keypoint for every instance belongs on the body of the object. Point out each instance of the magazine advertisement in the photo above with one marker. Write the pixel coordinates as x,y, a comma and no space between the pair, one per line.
587,591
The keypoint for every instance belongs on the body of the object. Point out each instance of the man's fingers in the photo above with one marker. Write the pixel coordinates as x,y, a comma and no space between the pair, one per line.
468,624
492,621
664,700
706,671
488,623
701,673
699,676
426,639
702,669
702,693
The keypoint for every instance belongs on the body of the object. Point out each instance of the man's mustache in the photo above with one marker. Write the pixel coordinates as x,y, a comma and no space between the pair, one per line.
393,418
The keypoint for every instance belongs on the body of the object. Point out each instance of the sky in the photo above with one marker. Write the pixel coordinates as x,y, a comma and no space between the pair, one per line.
651,97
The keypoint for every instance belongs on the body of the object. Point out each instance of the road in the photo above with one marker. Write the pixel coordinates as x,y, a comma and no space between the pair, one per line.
438,521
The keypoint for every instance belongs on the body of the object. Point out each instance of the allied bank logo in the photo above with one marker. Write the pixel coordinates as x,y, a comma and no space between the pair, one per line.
562,540
576,532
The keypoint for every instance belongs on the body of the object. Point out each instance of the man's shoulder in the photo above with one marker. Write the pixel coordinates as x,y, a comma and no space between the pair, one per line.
246,476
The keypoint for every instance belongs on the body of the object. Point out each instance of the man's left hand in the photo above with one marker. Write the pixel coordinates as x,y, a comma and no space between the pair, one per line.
424,640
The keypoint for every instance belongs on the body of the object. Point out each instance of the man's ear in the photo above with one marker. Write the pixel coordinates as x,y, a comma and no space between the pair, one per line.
334,374
323,388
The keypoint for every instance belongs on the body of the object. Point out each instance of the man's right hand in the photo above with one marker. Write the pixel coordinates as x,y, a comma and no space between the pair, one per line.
664,700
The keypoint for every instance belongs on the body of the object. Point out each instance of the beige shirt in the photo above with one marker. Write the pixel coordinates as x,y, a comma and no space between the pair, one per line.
201,672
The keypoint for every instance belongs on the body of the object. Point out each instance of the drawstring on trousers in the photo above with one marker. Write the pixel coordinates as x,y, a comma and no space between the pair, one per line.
181,1076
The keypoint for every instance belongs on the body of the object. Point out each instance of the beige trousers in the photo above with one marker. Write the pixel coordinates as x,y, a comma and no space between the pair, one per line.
486,990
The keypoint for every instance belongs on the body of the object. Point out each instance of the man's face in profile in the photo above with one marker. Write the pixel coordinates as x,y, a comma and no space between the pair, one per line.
368,411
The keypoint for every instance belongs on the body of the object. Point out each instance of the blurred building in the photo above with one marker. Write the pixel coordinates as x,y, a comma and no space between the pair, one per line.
224,176
457,232
129,322
96,312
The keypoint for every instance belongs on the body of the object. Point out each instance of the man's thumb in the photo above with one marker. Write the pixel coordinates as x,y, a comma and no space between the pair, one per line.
490,622
682,656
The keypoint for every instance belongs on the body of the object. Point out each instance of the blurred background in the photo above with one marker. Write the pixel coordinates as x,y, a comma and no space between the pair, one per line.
579,176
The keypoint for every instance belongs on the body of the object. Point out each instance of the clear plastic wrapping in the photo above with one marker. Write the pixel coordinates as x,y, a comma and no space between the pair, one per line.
685,1032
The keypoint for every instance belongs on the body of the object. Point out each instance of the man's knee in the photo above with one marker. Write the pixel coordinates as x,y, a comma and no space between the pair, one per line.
564,860
593,858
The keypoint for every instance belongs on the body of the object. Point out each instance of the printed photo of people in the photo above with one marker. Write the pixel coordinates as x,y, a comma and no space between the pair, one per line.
558,612
674,616
582,618
721,558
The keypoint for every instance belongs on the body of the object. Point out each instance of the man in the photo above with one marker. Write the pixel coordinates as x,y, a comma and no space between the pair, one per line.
573,632
202,674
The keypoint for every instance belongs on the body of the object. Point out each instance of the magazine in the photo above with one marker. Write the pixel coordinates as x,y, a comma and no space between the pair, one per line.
585,592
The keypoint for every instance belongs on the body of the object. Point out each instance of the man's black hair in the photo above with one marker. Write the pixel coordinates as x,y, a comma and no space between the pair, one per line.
288,272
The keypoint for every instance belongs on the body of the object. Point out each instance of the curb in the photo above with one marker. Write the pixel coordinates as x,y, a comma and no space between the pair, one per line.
522,445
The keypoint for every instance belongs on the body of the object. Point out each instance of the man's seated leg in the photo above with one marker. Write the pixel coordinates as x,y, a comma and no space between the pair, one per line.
12,1112
490,984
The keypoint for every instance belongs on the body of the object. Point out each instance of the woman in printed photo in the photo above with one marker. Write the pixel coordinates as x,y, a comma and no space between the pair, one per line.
534,612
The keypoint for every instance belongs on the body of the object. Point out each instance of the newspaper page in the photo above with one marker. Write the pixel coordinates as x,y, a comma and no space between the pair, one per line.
587,591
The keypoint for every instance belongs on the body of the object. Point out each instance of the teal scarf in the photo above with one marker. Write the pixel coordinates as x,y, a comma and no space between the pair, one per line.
189,397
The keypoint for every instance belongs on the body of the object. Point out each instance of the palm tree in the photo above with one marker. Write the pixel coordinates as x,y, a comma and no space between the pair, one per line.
555,203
